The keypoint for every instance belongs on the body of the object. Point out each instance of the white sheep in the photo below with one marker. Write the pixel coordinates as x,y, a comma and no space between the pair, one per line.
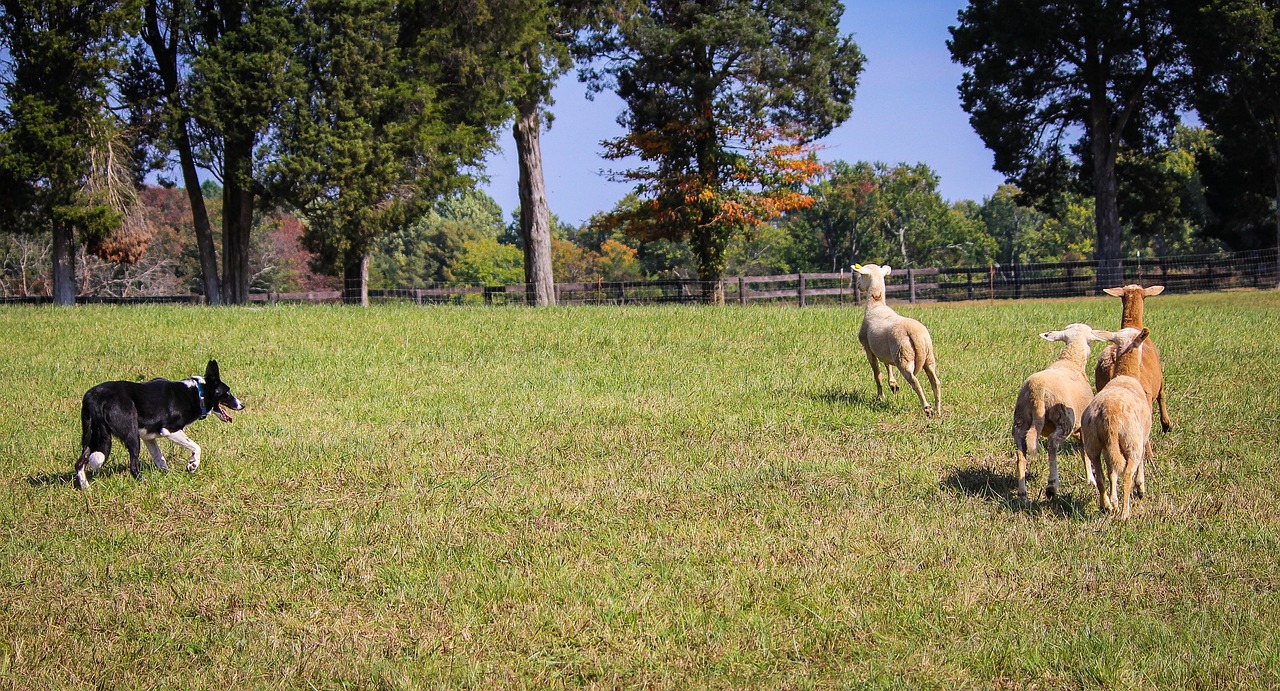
897,341
1051,402
1117,424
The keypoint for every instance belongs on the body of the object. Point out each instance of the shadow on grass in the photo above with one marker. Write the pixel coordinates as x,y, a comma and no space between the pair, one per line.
851,398
49,479
982,482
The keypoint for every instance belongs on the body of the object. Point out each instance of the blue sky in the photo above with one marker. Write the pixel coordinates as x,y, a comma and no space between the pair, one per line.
907,110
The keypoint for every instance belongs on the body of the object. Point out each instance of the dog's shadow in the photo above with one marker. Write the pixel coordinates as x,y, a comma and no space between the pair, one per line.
52,479
1001,489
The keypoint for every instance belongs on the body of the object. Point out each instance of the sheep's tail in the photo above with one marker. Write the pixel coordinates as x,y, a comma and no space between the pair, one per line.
1030,440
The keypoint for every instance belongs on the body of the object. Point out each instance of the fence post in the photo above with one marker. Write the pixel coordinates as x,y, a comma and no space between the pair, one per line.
801,289
969,274
742,292
911,280
1017,281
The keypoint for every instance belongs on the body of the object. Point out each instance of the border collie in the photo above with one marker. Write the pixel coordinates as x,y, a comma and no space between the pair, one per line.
136,412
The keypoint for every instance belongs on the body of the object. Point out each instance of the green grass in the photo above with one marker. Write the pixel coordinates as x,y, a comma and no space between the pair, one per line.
653,497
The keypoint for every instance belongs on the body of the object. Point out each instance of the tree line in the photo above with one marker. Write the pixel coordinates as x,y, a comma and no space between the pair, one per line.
342,135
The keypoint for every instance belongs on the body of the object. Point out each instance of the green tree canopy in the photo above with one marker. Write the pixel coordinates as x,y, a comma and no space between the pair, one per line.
711,89
1057,90
59,140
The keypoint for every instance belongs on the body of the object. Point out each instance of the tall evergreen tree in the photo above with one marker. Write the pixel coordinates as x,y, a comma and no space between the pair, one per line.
400,99
720,95
57,127
160,75
242,70
1235,49
1056,90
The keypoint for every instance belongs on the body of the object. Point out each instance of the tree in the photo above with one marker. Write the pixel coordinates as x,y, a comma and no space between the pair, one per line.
1012,224
429,249
158,77
60,145
1234,46
722,99
1057,90
240,54
401,98
847,206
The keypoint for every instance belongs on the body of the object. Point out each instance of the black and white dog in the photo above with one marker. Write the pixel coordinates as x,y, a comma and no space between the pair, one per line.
136,412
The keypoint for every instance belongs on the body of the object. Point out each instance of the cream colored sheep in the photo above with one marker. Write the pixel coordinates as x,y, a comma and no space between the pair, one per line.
1051,402
1152,374
1117,424
897,341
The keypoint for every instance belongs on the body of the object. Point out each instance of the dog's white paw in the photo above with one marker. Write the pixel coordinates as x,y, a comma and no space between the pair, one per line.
193,466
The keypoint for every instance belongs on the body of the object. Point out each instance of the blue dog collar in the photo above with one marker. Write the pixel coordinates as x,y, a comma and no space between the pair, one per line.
204,412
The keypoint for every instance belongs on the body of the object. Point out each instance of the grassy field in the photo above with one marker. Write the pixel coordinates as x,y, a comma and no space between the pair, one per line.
651,497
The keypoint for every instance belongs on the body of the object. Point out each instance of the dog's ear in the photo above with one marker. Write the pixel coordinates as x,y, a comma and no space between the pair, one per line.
211,371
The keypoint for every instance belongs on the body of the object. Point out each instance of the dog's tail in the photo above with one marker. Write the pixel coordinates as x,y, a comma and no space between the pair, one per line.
95,435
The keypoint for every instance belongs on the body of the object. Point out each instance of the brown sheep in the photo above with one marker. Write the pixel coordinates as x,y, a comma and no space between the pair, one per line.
1051,402
1152,375
897,341
1117,425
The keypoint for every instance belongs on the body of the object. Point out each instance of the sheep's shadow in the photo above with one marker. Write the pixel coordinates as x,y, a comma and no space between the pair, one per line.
855,397
984,482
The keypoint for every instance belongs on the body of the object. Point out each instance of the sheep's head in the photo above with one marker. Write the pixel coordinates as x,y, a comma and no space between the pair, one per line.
1132,297
1072,332
1128,345
1134,290
870,274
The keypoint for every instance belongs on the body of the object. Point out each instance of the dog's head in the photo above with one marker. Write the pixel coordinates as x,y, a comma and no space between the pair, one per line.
217,395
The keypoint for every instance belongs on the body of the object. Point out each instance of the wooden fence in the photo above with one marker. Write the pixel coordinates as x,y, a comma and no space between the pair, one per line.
1257,269
993,282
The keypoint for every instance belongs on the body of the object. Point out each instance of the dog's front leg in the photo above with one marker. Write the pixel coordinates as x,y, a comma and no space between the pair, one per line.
157,457
181,440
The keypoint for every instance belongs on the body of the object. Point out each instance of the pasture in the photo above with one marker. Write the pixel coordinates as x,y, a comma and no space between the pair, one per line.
637,497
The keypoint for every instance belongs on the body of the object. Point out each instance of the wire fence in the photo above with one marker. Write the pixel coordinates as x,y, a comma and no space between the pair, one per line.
1180,274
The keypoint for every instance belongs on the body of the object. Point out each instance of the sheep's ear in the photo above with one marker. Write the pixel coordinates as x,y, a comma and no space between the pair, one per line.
1137,341
1052,335
859,268
1114,292
885,270
1104,335
1153,290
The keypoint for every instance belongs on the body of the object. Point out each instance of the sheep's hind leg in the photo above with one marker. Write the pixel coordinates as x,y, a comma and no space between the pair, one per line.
875,374
893,381
1165,423
915,386
1051,489
931,370
1020,451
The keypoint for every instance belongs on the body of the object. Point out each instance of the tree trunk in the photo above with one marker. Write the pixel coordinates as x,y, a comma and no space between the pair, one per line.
165,53
1106,209
64,264
237,220
200,219
1276,203
355,280
535,217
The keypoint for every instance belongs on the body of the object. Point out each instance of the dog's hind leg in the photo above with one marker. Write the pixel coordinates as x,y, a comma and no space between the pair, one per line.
153,447
135,452
181,440
95,452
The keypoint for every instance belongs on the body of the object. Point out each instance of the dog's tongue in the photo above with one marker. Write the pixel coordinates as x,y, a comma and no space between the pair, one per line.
222,414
